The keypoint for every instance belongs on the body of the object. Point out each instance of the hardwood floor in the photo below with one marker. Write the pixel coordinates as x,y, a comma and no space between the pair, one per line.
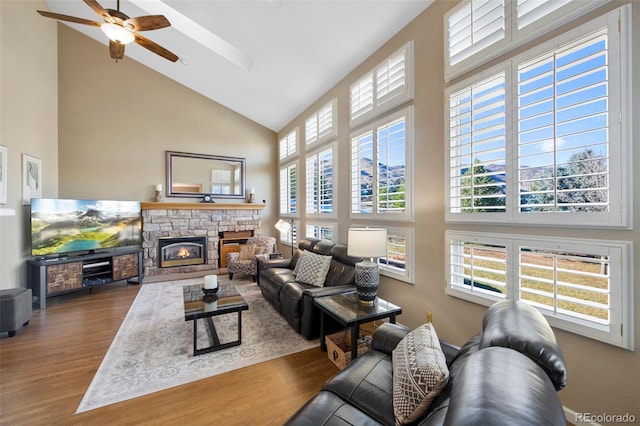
46,368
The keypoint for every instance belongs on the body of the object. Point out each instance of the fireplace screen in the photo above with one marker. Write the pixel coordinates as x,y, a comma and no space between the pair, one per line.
182,251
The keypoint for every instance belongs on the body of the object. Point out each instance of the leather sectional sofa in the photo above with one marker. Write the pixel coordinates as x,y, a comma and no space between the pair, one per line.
508,374
294,300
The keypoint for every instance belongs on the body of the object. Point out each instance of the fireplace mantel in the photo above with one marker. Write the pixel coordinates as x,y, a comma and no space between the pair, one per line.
201,206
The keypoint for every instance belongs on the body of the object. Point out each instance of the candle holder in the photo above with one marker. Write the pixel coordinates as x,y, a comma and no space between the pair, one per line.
251,199
158,197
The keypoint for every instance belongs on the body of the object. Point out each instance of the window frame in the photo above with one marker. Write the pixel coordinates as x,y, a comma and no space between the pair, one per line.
620,140
381,105
333,147
285,207
514,37
286,146
407,215
318,225
409,273
620,331
320,137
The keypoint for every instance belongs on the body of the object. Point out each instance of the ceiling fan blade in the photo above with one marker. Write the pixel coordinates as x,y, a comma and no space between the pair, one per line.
145,23
116,50
68,18
155,48
93,4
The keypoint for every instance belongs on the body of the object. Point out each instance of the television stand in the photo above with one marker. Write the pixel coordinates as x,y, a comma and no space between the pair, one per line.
54,277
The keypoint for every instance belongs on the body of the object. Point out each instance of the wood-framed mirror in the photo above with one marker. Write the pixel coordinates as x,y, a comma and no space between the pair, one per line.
197,175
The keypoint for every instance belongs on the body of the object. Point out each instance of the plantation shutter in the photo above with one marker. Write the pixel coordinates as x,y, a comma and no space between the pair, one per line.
391,77
473,26
478,267
391,162
362,173
288,189
362,96
311,129
288,145
325,120
477,131
325,181
312,184
530,11
563,129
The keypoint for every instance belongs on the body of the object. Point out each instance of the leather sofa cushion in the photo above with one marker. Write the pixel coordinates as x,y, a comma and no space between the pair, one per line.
330,410
505,386
368,385
291,296
521,327
274,283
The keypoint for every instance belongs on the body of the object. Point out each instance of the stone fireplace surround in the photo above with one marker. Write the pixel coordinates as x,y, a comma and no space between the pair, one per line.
161,220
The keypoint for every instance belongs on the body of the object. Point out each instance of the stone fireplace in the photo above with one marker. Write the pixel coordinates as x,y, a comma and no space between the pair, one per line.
183,251
184,222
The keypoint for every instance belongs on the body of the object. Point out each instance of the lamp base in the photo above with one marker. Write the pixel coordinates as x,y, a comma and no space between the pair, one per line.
367,278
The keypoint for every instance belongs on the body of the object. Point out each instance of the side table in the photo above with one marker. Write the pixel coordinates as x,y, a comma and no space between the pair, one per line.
347,310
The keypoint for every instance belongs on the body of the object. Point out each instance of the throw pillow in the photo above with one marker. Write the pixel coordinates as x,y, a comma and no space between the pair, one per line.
419,373
247,252
313,268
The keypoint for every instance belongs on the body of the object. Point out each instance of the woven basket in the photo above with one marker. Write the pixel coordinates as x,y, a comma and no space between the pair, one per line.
339,348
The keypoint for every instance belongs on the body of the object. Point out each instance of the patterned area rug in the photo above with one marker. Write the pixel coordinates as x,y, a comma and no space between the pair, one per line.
153,349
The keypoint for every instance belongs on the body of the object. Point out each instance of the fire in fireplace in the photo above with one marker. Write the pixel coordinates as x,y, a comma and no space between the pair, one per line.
182,251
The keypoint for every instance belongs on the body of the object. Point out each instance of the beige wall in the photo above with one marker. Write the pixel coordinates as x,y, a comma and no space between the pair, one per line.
118,119
602,378
28,122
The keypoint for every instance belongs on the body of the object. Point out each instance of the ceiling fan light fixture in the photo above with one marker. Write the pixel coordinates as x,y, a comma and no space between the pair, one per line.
117,33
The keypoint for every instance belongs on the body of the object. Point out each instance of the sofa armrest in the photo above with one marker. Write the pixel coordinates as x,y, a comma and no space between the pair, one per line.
232,257
387,336
450,351
328,291
275,263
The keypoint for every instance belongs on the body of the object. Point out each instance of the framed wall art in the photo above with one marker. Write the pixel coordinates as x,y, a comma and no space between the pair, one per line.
31,178
3,174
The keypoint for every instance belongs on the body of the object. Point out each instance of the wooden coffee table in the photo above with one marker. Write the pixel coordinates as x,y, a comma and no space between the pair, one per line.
347,310
198,306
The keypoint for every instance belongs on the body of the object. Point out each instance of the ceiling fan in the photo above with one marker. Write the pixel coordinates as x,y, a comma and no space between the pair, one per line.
121,29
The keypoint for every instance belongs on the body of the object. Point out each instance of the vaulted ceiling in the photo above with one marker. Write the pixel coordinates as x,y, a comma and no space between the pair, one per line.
265,59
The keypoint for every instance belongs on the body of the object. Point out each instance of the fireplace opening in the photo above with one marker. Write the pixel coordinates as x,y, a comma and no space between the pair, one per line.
182,251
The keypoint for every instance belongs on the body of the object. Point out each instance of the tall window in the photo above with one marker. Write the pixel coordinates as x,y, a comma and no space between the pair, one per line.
381,167
288,144
320,182
386,86
583,286
565,153
321,125
288,189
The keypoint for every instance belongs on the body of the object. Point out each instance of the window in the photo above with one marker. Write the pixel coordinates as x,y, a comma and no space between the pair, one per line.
288,188
582,286
322,231
288,144
320,126
381,167
474,26
565,153
386,86
398,263
320,182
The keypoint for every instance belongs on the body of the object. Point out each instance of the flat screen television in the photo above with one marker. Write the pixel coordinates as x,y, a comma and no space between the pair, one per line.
61,226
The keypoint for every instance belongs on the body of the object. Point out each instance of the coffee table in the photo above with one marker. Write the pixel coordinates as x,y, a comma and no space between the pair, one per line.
347,310
198,306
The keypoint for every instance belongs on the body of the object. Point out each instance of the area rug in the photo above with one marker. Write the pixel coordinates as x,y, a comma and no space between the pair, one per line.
153,349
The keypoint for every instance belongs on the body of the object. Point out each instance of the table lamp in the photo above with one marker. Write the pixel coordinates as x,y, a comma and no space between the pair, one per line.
367,243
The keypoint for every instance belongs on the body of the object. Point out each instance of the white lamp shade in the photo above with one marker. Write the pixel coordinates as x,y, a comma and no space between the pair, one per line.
283,226
367,242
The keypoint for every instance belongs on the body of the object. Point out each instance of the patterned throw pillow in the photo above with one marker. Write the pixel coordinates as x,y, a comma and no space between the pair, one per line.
247,252
313,268
419,373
